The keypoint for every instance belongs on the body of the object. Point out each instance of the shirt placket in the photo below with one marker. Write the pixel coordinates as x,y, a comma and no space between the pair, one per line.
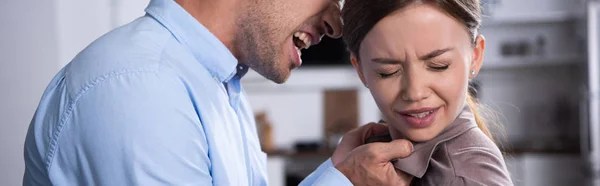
233,88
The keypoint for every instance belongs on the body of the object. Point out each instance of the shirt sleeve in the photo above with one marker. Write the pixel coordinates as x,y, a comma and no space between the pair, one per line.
326,174
133,129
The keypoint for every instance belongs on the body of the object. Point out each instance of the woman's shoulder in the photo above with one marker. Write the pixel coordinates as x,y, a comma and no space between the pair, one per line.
476,158
473,140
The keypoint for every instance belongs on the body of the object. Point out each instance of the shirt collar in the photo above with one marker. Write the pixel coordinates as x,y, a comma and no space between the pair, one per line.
416,164
203,44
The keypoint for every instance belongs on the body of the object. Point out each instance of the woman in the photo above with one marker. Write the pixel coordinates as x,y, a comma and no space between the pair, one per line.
417,57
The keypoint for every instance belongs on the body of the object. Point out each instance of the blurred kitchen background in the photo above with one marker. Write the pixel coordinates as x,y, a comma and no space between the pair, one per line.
540,75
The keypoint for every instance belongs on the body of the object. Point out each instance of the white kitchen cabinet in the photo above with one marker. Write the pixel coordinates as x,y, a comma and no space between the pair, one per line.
531,11
510,46
542,32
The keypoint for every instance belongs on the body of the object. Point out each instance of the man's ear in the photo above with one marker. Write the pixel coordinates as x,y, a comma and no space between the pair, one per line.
356,64
477,60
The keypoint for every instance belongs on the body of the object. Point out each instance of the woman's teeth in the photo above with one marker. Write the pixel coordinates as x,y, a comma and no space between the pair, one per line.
304,38
421,115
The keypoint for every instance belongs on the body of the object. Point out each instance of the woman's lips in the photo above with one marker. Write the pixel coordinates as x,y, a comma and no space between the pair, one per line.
419,118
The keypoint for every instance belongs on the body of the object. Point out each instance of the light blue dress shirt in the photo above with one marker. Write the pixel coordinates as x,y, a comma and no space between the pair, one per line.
155,102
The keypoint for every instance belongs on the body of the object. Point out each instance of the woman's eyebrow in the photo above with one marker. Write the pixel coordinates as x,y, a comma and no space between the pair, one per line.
387,61
425,57
435,53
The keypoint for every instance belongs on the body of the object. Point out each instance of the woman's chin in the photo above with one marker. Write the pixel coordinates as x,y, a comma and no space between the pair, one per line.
414,135
420,135
417,135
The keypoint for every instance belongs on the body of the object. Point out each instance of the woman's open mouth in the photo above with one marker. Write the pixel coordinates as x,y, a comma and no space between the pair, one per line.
419,118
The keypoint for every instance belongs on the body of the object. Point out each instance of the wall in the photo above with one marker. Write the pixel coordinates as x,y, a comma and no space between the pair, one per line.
37,38
28,60
79,23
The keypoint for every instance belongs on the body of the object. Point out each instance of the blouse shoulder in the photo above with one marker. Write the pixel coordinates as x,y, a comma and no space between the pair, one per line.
476,160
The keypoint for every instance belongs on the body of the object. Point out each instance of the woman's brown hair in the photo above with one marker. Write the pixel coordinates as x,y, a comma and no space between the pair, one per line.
360,16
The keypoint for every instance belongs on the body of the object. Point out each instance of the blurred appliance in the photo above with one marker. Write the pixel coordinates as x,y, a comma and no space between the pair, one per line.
590,132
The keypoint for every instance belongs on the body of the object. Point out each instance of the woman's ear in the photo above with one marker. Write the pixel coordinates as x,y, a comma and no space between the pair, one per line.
354,61
477,60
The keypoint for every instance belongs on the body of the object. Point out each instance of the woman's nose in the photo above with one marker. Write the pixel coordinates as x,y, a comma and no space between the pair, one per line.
414,88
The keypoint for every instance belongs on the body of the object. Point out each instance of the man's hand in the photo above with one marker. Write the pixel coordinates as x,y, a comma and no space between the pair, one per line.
370,164
355,138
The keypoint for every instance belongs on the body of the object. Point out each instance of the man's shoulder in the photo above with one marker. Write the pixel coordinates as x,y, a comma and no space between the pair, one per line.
141,46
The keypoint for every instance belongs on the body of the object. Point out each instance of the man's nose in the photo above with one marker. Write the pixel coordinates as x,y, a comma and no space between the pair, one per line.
332,22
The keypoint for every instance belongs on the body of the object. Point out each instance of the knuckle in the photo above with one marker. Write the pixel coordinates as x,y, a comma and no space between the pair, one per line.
404,145
371,152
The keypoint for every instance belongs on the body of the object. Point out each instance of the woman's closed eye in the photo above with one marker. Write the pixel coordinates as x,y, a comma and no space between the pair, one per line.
438,66
388,73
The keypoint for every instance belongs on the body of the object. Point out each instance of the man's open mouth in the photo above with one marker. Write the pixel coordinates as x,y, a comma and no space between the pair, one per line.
302,40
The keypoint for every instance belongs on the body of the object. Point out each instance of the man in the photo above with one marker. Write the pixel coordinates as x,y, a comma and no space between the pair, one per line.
159,101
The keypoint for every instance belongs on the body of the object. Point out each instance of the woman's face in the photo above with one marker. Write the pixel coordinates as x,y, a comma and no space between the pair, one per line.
417,63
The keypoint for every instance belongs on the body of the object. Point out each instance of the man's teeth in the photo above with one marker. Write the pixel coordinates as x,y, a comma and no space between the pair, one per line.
304,37
299,54
421,115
